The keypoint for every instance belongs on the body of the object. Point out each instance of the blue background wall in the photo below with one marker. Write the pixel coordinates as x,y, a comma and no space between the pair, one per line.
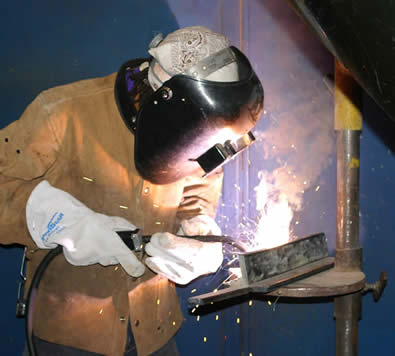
45,43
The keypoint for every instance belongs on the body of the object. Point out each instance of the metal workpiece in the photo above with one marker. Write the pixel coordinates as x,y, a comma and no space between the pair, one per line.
258,265
314,280
347,314
266,270
265,286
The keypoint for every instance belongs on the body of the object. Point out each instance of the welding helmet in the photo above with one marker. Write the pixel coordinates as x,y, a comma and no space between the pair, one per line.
197,114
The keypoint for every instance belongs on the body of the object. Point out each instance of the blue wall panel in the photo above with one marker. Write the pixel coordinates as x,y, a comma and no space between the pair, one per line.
377,228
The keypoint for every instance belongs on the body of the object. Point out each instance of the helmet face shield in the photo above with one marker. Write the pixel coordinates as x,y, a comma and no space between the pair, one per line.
219,154
186,117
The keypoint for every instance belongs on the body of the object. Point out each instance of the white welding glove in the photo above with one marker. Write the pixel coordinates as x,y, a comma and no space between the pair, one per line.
54,217
182,259
199,225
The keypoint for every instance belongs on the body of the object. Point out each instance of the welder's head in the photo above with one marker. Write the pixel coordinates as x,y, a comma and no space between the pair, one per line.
191,108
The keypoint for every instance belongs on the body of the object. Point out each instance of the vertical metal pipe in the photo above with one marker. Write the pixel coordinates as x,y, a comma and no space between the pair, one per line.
348,249
348,126
347,314
348,254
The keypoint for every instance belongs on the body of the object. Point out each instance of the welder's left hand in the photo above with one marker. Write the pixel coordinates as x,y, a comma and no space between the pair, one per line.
54,217
182,259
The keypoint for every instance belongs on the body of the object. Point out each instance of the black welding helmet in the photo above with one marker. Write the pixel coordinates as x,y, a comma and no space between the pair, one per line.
189,121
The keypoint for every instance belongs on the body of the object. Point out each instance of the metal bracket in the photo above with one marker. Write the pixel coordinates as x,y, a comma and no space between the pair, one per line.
20,303
137,238
377,288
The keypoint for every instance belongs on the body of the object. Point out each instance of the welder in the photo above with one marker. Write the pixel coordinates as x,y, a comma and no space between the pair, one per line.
139,149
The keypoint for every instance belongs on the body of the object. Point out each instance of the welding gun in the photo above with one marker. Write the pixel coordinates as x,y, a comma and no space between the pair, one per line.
136,241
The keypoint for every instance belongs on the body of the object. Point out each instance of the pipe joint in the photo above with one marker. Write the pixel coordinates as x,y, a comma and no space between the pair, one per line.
348,260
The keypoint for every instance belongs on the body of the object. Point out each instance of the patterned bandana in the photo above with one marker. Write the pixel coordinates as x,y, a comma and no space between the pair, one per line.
182,50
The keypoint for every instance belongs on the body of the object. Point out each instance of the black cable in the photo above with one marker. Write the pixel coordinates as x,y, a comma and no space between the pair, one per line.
58,250
32,294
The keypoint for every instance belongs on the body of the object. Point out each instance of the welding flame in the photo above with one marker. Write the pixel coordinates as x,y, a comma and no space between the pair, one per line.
275,215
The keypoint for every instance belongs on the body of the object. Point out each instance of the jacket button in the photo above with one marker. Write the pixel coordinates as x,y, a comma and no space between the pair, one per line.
137,322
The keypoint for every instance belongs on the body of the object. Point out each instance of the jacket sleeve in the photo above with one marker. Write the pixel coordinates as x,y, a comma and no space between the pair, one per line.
200,196
27,151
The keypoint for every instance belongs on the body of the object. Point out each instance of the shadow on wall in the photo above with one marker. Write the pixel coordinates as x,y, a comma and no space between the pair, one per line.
45,44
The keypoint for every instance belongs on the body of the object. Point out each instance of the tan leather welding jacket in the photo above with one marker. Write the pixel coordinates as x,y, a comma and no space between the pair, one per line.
73,136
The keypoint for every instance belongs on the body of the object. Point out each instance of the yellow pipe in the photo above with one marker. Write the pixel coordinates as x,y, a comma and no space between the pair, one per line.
348,115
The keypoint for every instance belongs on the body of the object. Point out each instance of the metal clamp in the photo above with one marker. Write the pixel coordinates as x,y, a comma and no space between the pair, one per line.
377,288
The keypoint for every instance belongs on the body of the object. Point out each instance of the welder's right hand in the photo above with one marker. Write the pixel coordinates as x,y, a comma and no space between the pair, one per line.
182,259
54,217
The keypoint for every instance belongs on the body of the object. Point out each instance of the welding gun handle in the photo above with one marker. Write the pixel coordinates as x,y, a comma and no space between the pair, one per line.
126,238
133,239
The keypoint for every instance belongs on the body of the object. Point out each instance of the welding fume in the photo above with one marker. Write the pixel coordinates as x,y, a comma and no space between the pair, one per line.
112,175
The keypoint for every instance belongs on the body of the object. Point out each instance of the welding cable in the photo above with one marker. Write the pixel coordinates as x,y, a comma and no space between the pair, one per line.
58,250
32,295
